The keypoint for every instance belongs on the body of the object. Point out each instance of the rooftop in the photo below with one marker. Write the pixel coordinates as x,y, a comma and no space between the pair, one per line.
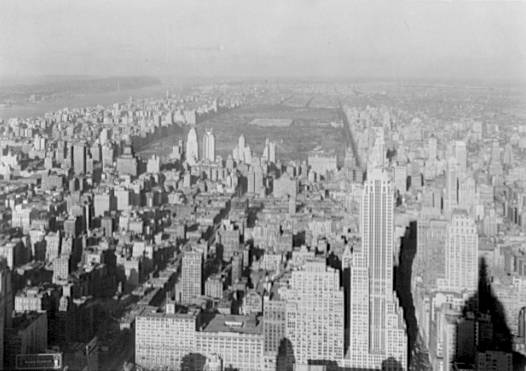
233,323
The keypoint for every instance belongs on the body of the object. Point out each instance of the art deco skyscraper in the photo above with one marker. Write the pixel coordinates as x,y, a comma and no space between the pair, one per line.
377,244
192,153
377,329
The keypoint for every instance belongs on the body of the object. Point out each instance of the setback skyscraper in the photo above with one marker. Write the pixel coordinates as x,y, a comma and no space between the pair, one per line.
377,328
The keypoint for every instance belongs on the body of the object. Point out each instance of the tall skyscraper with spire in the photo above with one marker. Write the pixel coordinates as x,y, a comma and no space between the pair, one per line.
377,329
192,151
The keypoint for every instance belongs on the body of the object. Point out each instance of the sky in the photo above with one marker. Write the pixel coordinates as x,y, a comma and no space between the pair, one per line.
455,39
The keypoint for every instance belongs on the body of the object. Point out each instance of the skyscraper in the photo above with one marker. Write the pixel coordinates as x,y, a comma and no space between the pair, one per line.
79,158
461,155
274,323
192,153
377,329
259,187
209,149
189,285
315,313
432,148
269,151
378,153
237,267
251,180
241,142
452,186
461,252
239,152
430,255
377,244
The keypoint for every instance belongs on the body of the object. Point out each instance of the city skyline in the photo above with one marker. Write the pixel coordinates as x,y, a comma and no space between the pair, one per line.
299,185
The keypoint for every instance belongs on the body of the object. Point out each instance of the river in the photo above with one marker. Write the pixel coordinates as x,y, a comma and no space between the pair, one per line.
81,100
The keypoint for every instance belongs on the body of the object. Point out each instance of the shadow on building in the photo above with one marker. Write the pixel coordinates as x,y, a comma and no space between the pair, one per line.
402,283
285,359
391,364
193,362
483,339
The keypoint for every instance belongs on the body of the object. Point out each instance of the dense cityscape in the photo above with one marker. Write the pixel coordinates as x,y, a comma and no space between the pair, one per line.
278,185
360,253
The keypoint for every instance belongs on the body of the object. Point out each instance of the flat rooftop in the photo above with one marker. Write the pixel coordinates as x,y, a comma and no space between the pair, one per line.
233,323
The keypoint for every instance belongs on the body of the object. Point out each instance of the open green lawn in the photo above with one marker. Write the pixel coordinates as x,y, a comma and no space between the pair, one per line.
294,142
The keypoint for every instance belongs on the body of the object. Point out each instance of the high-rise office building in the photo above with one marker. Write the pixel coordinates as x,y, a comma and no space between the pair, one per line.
251,180
127,162
461,155
79,158
259,187
430,254
192,151
378,152
247,155
461,255
238,154
237,267
209,146
507,155
467,193
452,186
377,244
377,329
400,178
229,235
189,285
269,151
214,286
241,142
432,148
274,323
315,313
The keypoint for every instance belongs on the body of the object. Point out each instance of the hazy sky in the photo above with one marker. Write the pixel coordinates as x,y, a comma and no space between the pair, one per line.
326,38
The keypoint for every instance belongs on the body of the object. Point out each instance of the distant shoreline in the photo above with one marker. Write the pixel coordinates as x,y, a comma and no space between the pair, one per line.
79,100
